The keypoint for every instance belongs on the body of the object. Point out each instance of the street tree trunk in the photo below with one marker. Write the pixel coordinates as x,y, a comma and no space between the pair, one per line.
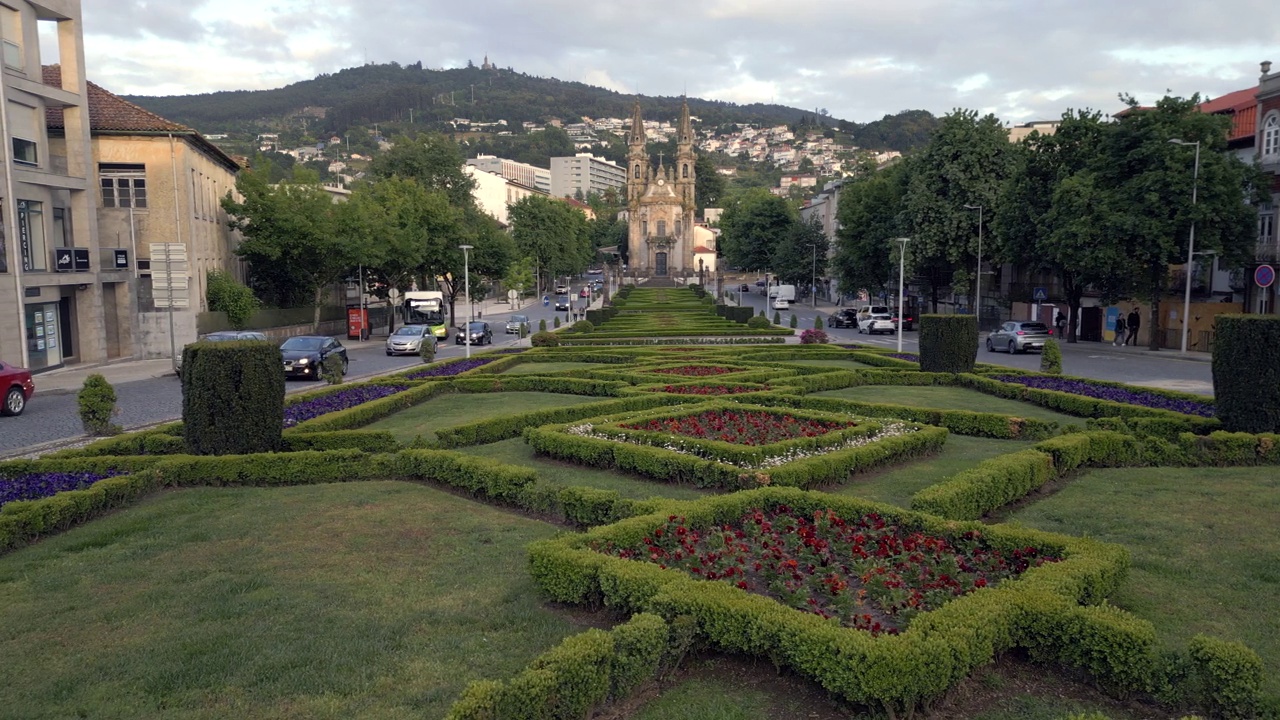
315,317
1158,275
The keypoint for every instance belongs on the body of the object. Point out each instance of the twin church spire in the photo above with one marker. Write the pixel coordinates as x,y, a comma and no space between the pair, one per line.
642,171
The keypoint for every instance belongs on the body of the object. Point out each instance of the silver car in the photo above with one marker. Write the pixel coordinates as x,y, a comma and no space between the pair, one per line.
408,339
1019,337
515,321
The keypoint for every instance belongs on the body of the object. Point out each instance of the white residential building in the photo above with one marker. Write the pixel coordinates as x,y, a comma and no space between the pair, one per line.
494,194
530,176
586,173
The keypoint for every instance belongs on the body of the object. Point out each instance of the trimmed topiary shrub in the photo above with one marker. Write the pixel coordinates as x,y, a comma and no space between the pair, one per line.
777,317
758,322
817,322
813,337
556,321
1246,372
232,397
583,326
97,401
542,325
427,351
544,339
794,320
948,343
1051,358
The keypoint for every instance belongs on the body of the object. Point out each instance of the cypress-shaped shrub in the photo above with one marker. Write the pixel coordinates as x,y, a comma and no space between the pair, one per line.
232,397
777,317
817,322
97,401
948,343
542,325
1051,358
1246,372
794,320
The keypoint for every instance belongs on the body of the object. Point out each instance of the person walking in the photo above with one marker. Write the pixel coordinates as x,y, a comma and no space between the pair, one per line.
1061,323
1133,322
1119,340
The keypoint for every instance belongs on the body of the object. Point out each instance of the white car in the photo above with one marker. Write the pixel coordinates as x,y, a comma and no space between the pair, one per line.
875,323
781,304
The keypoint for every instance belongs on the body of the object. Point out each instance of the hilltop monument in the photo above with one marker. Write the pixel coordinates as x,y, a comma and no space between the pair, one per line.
660,203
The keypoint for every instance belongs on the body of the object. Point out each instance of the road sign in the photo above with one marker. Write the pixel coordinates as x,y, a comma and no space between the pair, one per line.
1041,294
1264,275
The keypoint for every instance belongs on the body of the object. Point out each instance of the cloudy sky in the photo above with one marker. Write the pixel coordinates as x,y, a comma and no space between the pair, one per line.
859,59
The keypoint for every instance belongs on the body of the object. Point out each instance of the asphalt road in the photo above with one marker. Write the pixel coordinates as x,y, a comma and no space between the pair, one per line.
54,417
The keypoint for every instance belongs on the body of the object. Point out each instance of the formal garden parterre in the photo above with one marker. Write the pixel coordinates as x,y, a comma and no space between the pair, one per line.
884,607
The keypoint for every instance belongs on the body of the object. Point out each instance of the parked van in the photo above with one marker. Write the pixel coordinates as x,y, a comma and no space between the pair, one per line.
785,292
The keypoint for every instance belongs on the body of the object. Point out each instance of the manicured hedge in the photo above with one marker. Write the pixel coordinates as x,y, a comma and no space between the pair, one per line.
366,413
1080,405
960,422
504,428
165,440
948,343
1246,372
582,673
232,397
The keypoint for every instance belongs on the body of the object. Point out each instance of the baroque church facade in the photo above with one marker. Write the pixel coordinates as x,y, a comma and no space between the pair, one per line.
660,204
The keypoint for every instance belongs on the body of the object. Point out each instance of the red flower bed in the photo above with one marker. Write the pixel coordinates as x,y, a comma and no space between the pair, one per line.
866,573
708,389
743,427
696,370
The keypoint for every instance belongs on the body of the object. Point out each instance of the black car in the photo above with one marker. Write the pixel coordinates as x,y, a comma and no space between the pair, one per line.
226,336
309,356
479,332
562,302
846,318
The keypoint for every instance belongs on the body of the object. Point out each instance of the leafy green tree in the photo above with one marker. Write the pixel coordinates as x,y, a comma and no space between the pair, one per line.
708,183
869,216
433,160
966,163
519,276
1149,182
291,235
553,234
751,227
225,294
802,254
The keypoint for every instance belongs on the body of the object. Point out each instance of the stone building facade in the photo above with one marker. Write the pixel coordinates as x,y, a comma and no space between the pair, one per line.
660,204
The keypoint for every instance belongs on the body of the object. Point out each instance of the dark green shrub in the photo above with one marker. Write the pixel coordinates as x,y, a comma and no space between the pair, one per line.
777,317
1230,675
1246,372
948,343
556,321
544,339
542,325
97,401
758,322
524,330
794,320
226,295
427,351
817,322
583,326
232,397
1051,358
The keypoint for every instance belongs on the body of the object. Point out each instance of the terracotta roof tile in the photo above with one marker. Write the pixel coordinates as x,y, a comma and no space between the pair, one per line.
109,112
1242,106
702,249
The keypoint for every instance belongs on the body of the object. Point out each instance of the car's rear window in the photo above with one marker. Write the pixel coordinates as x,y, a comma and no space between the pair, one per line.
1035,327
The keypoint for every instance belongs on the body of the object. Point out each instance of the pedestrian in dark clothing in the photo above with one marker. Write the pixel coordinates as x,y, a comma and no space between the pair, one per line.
1133,322
1061,323
1119,331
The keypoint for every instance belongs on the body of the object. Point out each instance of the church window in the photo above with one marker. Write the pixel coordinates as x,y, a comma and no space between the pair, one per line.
1271,136
644,228
662,228
677,228
684,171
637,171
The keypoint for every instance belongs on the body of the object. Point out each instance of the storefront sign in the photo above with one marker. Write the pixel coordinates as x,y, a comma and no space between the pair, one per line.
24,235
82,259
122,259
63,260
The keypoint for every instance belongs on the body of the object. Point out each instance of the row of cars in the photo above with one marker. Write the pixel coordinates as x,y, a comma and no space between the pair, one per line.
302,356
870,319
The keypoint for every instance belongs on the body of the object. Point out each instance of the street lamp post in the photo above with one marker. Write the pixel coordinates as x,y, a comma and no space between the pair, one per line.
977,288
466,279
813,279
902,274
1191,243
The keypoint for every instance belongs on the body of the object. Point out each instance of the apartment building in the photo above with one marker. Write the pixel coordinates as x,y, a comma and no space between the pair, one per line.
64,297
494,194
522,173
585,173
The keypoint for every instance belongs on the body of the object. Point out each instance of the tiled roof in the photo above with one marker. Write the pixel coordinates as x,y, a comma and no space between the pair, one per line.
1242,105
702,249
109,112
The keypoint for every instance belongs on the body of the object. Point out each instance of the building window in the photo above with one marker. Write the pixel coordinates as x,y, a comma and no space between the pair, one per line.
1266,227
1271,136
684,171
12,55
677,228
637,172
662,228
24,151
644,228
31,240
124,185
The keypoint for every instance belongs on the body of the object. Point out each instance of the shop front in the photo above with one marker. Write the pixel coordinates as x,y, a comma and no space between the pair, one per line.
45,346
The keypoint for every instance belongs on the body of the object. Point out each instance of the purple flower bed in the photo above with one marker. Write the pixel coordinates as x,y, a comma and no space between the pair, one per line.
1114,394
42,485
911,357
341,400
451,369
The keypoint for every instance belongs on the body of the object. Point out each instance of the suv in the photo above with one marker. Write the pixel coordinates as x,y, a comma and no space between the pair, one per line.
872,323
846,318
866,311
1018,337
562,289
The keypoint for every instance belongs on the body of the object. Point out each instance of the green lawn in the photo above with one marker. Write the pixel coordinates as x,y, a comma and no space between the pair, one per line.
837,364
464,408
1206,554
516,452
361,600
949,398
896,485
550,367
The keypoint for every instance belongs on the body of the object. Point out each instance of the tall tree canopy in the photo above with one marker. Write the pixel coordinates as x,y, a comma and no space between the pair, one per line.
753,224
553,234
433,160
869,217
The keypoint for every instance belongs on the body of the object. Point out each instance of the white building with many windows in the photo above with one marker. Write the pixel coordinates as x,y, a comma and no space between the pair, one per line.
585,173
528,175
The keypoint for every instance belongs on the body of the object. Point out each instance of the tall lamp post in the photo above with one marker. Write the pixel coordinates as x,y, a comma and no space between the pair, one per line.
902,275
1191,244
977,288
466,275
813,279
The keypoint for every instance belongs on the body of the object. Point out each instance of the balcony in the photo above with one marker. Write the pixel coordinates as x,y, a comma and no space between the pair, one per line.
1267,251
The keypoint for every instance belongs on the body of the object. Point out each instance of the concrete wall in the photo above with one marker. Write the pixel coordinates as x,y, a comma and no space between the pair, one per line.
152,338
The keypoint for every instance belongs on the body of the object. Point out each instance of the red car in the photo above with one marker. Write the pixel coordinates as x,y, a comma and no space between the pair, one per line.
18,388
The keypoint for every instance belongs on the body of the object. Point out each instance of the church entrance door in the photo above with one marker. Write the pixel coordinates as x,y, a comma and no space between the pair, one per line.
660,264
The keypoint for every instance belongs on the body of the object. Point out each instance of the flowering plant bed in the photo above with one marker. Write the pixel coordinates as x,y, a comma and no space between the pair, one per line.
34,486
742,427
696,370
1114,393
340,400
449,369
865,572
709,390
